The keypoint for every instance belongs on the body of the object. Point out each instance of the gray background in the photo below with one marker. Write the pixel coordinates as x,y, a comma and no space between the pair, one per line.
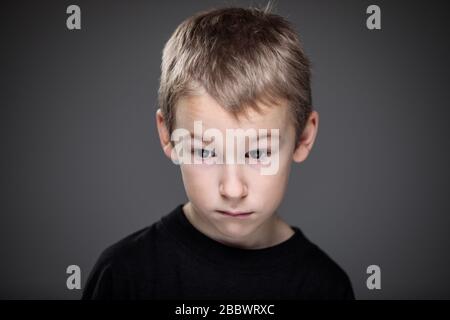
81,164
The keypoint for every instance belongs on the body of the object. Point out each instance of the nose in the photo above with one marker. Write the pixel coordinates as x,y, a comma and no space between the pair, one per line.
232,184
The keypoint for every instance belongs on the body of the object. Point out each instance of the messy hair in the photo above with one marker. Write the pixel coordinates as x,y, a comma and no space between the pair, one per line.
240,57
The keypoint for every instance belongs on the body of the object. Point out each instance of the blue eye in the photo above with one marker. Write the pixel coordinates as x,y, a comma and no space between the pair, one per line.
204,153
257,154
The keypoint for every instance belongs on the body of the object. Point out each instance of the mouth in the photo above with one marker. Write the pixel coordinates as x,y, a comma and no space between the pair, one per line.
237,214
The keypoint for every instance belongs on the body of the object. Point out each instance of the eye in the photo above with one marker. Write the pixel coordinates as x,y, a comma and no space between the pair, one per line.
258,154
204,153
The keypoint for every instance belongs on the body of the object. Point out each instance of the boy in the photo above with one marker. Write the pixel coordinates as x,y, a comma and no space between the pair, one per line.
228,70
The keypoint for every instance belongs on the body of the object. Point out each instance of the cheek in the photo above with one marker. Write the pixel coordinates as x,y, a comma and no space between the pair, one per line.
270,188
198,181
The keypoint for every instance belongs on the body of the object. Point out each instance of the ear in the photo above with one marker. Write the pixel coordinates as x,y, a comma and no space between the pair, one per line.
164,135
307,138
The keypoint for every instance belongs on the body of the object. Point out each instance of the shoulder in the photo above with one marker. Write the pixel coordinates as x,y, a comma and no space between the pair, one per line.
130,246
325,279
322,277
119,262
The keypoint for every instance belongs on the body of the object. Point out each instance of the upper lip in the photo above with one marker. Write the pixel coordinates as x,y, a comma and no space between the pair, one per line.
234,213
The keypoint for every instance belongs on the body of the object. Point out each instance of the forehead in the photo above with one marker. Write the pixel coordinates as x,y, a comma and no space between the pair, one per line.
206,109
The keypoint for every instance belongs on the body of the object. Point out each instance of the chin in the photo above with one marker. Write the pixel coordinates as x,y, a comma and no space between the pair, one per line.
235,231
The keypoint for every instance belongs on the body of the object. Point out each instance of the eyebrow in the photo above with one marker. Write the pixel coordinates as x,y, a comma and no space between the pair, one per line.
199,138
258,137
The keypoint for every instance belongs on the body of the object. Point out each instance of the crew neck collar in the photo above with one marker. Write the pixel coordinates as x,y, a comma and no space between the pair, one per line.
191,238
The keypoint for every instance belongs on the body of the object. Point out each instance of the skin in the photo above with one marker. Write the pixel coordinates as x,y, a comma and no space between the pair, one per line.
238,187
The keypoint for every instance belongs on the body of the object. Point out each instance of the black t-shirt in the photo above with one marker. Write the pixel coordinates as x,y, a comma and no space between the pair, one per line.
171,259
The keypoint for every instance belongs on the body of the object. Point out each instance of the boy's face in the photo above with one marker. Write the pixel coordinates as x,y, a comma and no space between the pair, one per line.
213,189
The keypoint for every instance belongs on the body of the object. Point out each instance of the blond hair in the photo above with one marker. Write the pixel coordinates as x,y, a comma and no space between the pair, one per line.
239,56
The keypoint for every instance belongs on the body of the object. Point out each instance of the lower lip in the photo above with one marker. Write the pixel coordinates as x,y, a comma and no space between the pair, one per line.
241,215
